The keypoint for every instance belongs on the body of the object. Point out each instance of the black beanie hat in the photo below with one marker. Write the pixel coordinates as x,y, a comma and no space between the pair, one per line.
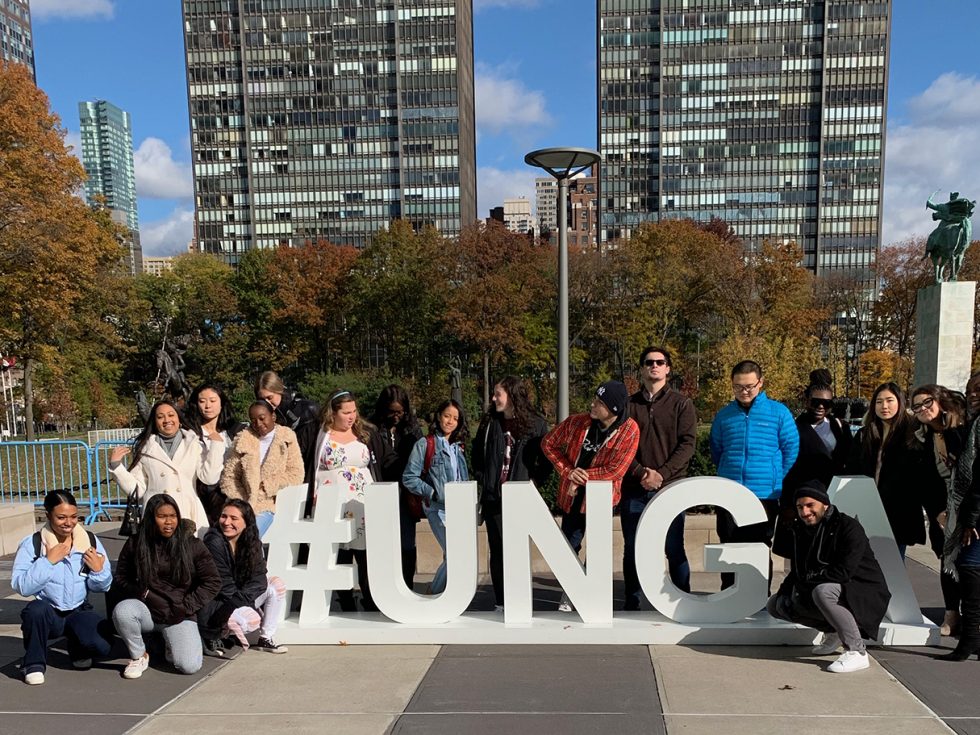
812,489
614,395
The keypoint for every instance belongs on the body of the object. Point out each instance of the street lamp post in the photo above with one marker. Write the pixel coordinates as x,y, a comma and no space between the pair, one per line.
563,164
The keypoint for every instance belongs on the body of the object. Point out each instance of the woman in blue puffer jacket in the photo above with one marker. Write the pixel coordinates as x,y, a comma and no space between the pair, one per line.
438,459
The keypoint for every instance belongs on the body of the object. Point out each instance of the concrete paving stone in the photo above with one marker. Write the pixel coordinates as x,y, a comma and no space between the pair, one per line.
314,679
803,723
964,726
771,681
538,679
75,724
294,724
529,724
950,688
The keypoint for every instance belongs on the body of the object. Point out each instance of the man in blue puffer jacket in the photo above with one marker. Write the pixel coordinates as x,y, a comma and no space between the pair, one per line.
754,441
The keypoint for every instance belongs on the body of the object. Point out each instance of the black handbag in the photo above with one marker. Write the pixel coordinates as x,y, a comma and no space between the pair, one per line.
131,516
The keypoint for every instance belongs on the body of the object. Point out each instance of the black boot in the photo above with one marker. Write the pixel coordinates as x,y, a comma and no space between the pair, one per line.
970,619
409,559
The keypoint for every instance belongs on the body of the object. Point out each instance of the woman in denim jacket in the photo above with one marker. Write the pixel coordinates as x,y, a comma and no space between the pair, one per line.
443,448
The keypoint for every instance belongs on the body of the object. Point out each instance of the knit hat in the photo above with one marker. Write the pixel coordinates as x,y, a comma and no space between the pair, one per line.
812,489
614,395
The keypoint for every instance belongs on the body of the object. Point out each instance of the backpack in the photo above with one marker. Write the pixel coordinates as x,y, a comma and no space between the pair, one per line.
413,502
36,542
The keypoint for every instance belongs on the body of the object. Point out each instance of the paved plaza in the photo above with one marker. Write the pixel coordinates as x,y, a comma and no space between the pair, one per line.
505,689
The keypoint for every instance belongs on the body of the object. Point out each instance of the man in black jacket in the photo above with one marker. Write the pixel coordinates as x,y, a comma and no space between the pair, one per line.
668,434
835,584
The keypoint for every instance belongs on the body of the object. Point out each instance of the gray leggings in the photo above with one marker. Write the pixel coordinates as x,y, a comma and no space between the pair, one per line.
132,620
823,611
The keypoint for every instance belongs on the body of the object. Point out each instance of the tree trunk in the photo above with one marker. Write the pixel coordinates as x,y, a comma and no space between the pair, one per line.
29,398
486,380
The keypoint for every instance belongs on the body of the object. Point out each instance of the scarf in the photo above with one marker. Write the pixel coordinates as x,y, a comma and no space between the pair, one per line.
79,539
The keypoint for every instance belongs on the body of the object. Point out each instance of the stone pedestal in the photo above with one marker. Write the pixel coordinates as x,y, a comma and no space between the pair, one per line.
944,334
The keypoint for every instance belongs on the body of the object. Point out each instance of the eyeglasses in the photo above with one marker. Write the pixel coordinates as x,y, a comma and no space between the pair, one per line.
651,363
825,403
745,389
924,406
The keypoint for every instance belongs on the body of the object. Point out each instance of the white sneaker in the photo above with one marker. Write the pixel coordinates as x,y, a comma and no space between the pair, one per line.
829,645
850,661
34,678
565,605
135,668
498,608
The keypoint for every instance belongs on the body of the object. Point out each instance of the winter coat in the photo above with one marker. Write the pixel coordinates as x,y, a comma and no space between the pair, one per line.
838,551
256,484
562,446
431,485
815,461
156,473
300,415
527,460
232,595
62,584
668,436
211,496
756,447
169,603
900,483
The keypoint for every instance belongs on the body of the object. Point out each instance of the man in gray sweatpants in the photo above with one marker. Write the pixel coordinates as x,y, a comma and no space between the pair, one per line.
835,584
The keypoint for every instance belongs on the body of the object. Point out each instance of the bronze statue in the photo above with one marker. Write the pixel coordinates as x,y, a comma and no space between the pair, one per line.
947,244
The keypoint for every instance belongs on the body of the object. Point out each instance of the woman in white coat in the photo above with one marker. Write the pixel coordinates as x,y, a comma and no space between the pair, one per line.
169,459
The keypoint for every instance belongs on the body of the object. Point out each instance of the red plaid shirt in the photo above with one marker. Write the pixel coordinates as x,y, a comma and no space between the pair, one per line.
562,444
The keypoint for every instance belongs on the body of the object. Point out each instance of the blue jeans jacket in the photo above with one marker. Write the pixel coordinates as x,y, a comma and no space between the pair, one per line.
432,485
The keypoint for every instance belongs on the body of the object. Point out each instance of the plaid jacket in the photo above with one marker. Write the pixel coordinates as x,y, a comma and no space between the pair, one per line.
562,445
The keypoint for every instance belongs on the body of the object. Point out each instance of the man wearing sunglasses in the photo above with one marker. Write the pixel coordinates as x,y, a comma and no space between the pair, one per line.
754,441
668,434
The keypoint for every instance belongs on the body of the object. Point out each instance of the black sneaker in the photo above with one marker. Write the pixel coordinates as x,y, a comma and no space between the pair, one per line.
214,647
269,646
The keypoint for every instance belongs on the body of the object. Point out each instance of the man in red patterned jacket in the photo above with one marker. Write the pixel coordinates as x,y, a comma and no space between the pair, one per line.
598,445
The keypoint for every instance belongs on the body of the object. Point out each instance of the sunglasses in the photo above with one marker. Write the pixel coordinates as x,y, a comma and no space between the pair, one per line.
825,403
651,363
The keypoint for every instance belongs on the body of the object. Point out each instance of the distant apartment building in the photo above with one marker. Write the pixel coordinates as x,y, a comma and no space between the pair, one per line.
517,215
583,229
16,36
328,120
107,154
157,266
767,114
546,203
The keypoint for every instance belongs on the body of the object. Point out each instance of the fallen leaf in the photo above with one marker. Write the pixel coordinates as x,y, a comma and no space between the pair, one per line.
786,687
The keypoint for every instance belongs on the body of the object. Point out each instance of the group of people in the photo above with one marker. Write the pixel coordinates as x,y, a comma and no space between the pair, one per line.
195,570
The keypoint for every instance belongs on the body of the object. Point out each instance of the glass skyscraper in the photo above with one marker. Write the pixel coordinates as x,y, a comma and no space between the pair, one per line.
768,114
329,119
107,154
16,37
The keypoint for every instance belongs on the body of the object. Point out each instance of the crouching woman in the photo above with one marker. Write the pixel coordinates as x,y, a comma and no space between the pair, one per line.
165,576
58,566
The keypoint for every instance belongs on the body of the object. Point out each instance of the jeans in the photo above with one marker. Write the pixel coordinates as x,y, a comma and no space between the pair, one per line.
630,509
87,633
493,515
437,521
132,619
573,522
263,521
823,611
406,526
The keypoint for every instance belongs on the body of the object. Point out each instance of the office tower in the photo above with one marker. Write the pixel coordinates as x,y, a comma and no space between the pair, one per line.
328,120
107,154
517,215
16,37
768,114
546,203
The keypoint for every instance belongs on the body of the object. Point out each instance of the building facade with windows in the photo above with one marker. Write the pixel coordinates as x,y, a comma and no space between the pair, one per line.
16,36
329,119
768,114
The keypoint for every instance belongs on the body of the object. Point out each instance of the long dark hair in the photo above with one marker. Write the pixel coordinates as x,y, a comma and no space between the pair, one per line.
520,399
150,428
192,414
874,427
248,549
395,394
952,404
461,433
150,545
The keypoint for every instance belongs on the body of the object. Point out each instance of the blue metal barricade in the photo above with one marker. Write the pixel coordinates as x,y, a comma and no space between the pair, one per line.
29,470
110,494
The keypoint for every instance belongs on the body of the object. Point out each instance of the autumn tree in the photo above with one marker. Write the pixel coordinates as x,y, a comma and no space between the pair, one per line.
901,271
53,250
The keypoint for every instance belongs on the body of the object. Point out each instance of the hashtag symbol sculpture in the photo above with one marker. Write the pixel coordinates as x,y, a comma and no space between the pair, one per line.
323,533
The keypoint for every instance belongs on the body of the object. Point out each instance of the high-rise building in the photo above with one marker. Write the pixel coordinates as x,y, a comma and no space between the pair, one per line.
768,114
107,154
546,203
16,36
517,215
327,120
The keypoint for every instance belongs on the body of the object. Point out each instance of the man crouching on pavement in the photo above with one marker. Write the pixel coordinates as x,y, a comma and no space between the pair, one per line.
835,584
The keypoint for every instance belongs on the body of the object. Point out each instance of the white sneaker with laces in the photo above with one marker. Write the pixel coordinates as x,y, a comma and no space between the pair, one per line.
565,605
829,644
34,678
850,661
135,668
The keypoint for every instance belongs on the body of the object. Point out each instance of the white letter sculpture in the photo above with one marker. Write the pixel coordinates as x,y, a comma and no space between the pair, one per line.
526,518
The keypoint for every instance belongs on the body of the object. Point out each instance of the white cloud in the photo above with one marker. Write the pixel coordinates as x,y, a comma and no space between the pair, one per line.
168,236
73,141
493,185
479,5
935,149
505,104
58,9
158,175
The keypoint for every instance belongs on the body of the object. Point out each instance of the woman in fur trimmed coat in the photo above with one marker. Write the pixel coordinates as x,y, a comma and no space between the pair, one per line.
264,459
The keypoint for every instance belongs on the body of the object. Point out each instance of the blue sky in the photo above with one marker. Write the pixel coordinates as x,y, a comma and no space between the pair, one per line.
535,87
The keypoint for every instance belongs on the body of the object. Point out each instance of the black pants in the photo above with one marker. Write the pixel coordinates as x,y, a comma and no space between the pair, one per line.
728,532
346,597
493,515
